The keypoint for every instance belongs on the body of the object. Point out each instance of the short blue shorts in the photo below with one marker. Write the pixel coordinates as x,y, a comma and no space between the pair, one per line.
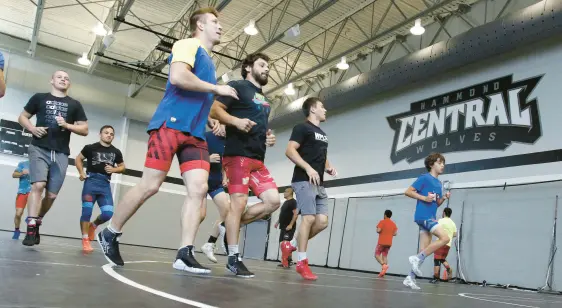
215,185
427,225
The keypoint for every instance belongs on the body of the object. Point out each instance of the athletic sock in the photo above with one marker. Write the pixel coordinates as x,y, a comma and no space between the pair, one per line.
294,242
17,229
113,230
232,250
94,225
32,221
85,236
421,256
212,239
301,256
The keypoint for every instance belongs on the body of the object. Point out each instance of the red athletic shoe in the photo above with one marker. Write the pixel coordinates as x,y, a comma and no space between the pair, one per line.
304,270
286,251
384,269
86,247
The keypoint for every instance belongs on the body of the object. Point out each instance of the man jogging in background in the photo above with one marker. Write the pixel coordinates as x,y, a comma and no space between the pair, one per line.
387,230
287,223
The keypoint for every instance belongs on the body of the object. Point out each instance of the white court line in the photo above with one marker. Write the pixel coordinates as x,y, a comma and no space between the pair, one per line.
523,299
109,270
49,263
492,301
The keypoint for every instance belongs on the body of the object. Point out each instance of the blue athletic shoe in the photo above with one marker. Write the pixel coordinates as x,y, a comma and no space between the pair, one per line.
16,235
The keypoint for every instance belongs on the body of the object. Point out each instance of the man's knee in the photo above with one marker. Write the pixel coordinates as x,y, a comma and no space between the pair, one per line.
51,196
273,205
238,202
321,222
308,219
38,186
197,188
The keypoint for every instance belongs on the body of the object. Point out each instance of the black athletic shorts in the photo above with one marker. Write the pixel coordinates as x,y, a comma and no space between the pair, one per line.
286,235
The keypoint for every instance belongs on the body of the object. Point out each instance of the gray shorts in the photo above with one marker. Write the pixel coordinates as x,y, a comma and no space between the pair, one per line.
311,199
47,166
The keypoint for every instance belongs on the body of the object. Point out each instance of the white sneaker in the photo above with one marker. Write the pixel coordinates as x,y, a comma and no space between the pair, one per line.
416,262
208,249
411,283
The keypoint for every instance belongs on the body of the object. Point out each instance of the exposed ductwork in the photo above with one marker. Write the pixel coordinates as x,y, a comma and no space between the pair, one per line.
522,28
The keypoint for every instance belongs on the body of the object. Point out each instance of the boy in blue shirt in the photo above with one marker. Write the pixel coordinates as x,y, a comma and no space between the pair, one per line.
21,173
428,191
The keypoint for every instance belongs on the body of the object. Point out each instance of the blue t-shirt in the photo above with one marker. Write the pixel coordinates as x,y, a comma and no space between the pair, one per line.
25,183
184,110
215,144
425,184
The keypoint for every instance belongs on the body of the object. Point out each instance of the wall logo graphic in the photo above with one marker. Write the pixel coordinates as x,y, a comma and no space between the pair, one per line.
486,116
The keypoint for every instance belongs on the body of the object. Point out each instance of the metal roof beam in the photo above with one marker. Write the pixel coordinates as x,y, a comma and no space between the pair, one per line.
120,9
366,42
36,27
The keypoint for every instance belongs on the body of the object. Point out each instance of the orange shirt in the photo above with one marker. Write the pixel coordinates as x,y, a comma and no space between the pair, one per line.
388,227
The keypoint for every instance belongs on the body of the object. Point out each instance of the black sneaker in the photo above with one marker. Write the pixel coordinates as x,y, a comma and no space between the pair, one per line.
238,268
37,236
185,261
30,236
109,243
434,280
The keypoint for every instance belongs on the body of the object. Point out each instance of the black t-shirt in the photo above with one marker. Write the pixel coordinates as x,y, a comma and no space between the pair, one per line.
46,107
253,106
313,149
286,213
98,156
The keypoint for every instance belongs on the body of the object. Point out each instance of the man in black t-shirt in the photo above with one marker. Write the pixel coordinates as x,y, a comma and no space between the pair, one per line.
287,222
247,136
308,150
103,159
57,115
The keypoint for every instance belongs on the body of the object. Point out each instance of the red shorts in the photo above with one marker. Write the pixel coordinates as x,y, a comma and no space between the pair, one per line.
165,142
21,201
382,250
441,253
243,173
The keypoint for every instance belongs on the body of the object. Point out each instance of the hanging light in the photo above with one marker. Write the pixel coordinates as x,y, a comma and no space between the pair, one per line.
84,59
251,28
100,29
343,64
225,78
290,90
417,29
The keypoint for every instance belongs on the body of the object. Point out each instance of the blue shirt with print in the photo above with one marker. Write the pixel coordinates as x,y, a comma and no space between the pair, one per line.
425,184
25,183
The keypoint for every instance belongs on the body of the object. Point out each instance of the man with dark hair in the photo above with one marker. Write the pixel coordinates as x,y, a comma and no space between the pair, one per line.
103,160
308,150
386,229
287,223
58,115
247,136
427,190
2,82
178,128
440,255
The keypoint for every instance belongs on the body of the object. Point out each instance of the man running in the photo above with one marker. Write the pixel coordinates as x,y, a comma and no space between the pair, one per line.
387,230
440,255
287,223
428,191
57,115
308,150
21,173
178,128
2,81
103,159
247,136
216,183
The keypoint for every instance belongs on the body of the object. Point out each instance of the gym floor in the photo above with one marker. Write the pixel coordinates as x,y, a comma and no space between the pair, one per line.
57,274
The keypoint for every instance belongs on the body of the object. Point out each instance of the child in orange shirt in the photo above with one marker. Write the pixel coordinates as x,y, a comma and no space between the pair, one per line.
387,230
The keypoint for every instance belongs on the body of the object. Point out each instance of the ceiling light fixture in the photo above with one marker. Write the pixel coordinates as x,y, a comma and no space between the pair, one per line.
343,64
290,90
251,28
100,29
417,29
84,59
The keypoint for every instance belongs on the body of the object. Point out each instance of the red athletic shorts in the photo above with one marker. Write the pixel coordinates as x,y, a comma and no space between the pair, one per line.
441,253
243,173
382,250
165,142
21,201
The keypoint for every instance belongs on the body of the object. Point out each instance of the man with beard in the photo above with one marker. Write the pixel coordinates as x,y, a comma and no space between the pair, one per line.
58,115
103,159
178,129
247,136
